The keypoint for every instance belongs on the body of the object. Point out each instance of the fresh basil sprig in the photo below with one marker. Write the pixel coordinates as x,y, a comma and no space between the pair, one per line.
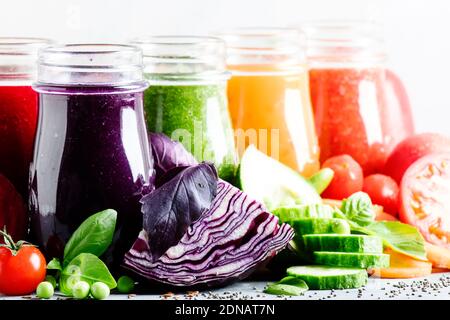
358,208
404,238
81,254
94,235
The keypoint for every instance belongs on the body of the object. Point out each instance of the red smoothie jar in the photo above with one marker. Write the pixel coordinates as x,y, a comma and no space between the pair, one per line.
360,107
18,107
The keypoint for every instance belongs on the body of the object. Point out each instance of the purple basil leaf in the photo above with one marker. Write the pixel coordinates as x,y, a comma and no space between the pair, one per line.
168,154
172,208
168,175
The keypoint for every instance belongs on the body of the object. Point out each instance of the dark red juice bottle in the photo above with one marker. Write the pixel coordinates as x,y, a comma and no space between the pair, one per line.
91,150
18,107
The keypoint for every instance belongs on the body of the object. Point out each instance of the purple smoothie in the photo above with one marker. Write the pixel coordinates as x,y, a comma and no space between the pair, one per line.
91,153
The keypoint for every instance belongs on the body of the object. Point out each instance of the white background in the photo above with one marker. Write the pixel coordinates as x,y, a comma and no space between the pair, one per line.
416,31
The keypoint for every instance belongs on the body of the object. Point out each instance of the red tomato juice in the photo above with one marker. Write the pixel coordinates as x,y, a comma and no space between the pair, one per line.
353,117
18,118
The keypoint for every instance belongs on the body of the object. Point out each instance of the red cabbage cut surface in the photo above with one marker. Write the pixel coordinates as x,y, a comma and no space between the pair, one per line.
225,244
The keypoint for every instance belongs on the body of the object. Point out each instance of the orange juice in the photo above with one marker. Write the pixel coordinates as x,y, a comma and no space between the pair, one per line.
270,107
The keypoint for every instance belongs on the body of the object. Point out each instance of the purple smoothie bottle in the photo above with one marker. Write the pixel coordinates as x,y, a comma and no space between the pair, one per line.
91,151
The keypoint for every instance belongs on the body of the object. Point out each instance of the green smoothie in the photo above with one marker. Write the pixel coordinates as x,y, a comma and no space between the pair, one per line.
197,116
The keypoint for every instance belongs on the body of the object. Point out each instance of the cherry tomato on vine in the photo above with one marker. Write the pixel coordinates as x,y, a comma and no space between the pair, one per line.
22,267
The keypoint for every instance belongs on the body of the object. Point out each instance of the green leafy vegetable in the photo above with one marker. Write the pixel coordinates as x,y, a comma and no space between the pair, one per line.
85,267
54,264
290,286
358,208
400,237
322,179
93,236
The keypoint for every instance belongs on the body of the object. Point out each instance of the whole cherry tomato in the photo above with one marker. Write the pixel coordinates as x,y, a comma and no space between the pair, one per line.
383,190
22,267
348,177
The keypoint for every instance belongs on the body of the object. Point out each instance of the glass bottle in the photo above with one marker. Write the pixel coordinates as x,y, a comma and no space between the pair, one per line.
361,108
91,150
186,99
18,107
268,96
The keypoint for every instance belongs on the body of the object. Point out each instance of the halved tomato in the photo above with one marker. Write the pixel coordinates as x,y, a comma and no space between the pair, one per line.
425,197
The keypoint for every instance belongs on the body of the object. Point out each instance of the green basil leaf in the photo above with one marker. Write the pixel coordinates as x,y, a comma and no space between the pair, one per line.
358,208
86,267
400,237
289,286
94,235
54,264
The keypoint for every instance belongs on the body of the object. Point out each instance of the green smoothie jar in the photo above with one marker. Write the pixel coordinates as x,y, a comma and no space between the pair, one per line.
187,100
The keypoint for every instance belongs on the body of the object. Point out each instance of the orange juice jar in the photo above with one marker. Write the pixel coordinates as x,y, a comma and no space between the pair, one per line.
268,96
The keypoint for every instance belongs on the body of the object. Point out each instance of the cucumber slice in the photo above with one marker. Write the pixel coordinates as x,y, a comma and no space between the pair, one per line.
322,179
327,278
297,212
343,243
273,183
320,226
352,260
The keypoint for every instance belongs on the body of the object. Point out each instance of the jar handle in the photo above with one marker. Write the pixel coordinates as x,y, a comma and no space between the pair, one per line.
397,97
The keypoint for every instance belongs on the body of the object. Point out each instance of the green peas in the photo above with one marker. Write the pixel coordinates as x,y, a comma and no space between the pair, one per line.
52,280
100,291
125,284
45,290
80,290
341,226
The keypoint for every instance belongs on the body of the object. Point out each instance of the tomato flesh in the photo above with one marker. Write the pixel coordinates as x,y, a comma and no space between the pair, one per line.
425,197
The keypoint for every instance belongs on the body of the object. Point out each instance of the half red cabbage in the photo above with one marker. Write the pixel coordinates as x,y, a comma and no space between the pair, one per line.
227,243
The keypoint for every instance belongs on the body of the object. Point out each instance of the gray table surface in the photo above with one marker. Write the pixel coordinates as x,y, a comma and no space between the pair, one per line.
435,286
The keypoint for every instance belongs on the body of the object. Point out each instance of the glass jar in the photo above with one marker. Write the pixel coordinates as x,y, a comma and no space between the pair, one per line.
91,151
360,107
186,99
18,107
268,96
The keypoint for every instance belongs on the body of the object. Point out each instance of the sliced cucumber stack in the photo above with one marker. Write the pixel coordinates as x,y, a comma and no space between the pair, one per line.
343,243
352,259
327,278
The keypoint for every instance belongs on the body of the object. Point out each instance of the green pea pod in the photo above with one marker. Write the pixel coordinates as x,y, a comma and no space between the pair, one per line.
322,179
